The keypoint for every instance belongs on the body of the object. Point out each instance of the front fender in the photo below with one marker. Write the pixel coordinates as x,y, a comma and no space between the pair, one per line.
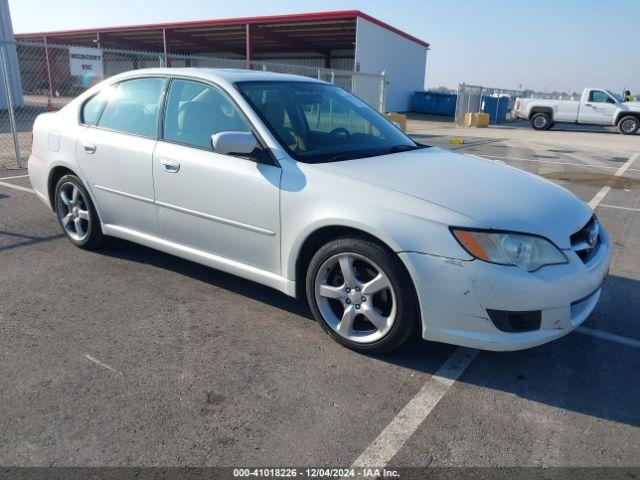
400,221
295,247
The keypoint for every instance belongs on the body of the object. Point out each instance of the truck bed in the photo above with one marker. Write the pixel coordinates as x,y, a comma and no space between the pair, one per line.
563,110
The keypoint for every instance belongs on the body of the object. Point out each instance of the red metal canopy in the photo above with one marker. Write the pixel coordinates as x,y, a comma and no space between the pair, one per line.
310,33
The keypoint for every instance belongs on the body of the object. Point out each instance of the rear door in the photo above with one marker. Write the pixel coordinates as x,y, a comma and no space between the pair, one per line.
599,108
115,151
221,204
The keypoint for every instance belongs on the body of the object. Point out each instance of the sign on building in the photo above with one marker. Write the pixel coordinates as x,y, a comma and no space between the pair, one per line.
85,62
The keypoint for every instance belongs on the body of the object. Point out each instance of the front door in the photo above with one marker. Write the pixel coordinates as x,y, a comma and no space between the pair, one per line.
599,109
221,204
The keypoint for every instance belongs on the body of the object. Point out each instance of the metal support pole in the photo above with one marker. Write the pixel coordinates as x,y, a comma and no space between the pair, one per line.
383,88
165,46
249,45
46,54
4,64
459,105
333,80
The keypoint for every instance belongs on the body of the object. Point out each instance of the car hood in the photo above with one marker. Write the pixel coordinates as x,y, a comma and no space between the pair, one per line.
494,194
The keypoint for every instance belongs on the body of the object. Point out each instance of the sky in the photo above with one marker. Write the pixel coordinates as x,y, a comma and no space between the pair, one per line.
544,45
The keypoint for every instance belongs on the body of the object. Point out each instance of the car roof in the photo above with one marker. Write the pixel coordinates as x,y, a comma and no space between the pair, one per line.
225,75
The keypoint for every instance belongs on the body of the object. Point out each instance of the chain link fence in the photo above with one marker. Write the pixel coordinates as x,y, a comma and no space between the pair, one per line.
498,103
41,77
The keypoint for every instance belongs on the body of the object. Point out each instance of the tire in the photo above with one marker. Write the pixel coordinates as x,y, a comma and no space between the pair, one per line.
77,215
541,121
390,302
628,125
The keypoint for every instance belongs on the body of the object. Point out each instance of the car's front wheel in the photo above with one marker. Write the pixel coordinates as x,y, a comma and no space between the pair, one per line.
628,125
361,295
76,213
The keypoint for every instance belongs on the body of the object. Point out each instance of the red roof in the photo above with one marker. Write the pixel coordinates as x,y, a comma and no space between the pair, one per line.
210,30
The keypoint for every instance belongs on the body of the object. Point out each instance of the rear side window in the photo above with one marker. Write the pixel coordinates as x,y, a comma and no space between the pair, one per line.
133,107
195,111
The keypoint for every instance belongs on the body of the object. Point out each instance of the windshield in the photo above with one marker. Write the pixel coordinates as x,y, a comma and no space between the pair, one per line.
615,95
318,122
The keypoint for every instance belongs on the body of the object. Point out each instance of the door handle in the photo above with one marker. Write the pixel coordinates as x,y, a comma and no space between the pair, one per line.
89,148
169,166
588,105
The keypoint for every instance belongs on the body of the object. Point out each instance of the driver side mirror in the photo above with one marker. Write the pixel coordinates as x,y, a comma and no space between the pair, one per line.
242,143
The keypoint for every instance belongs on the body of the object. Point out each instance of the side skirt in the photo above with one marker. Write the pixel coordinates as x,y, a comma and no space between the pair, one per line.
234,267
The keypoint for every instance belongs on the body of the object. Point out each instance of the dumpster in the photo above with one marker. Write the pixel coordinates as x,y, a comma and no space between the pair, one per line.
496,107
434,103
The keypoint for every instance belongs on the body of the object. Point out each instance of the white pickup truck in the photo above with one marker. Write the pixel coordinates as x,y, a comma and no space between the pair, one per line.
596,106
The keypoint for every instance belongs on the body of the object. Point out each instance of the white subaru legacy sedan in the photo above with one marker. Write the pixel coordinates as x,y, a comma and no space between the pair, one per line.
296,184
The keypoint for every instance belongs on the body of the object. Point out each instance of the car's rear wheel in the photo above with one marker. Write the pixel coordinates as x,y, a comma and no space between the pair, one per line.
76,213
628,125
541,121
361,295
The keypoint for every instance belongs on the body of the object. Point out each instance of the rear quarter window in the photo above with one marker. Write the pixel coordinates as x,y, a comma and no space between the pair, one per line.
91,109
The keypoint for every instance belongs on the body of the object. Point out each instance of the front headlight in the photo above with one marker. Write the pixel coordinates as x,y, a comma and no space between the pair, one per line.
529,252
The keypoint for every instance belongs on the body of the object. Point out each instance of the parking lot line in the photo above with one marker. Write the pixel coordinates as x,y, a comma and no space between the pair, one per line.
595,201
536,160
612,337
17,187
15,176
103,365
620,208
404,424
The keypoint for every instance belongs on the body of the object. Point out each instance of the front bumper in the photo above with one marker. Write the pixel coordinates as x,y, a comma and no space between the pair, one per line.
454,296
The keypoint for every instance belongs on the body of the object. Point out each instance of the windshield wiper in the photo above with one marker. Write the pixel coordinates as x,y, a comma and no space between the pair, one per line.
403,148
338,158
395,149
398,149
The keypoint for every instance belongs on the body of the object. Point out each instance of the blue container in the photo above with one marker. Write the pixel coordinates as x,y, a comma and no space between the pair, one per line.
434,103
496,107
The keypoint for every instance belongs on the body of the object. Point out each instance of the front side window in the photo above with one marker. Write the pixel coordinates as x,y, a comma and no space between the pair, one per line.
597,96
319,122
195,111
133,106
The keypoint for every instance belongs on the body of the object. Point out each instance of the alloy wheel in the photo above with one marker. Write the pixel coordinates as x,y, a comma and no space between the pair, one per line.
355,297
73,211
